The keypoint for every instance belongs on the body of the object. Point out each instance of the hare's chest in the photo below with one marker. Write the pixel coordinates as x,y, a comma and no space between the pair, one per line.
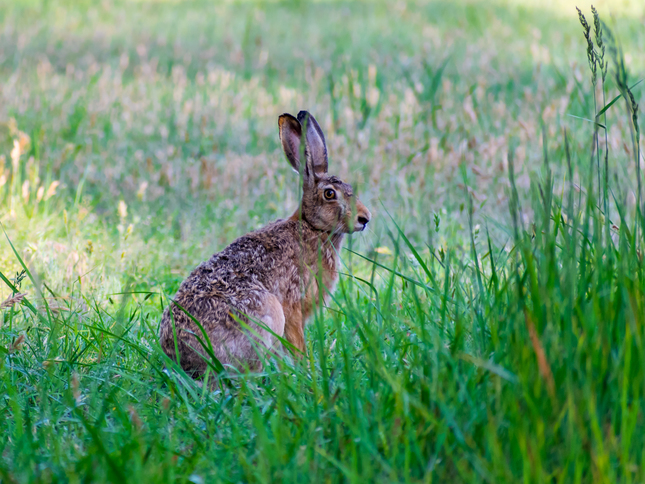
319,283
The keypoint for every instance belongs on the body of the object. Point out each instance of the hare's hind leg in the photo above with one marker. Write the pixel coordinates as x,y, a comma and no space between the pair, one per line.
270,314
247,346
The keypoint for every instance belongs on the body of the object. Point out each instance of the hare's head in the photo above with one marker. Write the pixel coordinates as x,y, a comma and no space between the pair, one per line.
328,203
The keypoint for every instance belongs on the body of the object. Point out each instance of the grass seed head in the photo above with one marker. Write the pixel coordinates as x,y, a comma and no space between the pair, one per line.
15,155
122,209
134,417
591,54
600,53
16,345
51,191
10,302
75,385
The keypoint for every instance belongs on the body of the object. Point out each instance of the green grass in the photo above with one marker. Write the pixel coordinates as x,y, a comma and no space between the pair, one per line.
488,328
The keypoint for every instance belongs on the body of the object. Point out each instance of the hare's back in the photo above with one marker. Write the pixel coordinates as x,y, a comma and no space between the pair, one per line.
250,262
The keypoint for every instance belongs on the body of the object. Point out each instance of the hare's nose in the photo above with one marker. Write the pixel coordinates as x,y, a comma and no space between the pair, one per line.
363,220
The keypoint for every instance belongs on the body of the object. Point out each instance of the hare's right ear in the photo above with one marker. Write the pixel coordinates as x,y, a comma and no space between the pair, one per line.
291,138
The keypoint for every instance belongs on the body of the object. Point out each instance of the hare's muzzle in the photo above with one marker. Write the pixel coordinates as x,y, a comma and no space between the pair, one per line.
363,217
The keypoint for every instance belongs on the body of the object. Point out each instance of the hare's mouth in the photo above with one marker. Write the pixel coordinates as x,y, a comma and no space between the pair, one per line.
347,227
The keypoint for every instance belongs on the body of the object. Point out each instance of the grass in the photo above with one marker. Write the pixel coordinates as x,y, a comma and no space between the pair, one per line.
490,326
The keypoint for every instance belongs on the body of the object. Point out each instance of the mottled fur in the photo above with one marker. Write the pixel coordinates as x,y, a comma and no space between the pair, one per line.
271,275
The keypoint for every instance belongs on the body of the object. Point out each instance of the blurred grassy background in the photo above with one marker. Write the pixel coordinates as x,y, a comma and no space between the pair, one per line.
138,138
171,107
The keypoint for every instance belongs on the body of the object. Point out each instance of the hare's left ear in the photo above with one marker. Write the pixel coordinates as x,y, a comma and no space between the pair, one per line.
290,136
316,151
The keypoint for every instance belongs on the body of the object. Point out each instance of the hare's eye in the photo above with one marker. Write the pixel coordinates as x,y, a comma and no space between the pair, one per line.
330,194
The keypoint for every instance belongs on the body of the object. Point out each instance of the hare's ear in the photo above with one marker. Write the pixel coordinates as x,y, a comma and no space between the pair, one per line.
290,136
316,148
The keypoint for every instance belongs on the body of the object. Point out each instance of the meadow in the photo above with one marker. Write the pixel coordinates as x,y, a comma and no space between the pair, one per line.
488,327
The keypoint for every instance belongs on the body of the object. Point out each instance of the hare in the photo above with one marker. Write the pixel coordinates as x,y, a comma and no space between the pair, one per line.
271,276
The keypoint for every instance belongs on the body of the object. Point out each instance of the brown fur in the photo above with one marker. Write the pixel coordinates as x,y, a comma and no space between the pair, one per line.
271,275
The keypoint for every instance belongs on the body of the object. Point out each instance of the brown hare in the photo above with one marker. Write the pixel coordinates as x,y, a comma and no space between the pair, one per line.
271,275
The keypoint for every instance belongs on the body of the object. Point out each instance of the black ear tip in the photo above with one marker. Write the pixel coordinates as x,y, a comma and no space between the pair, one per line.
303,115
